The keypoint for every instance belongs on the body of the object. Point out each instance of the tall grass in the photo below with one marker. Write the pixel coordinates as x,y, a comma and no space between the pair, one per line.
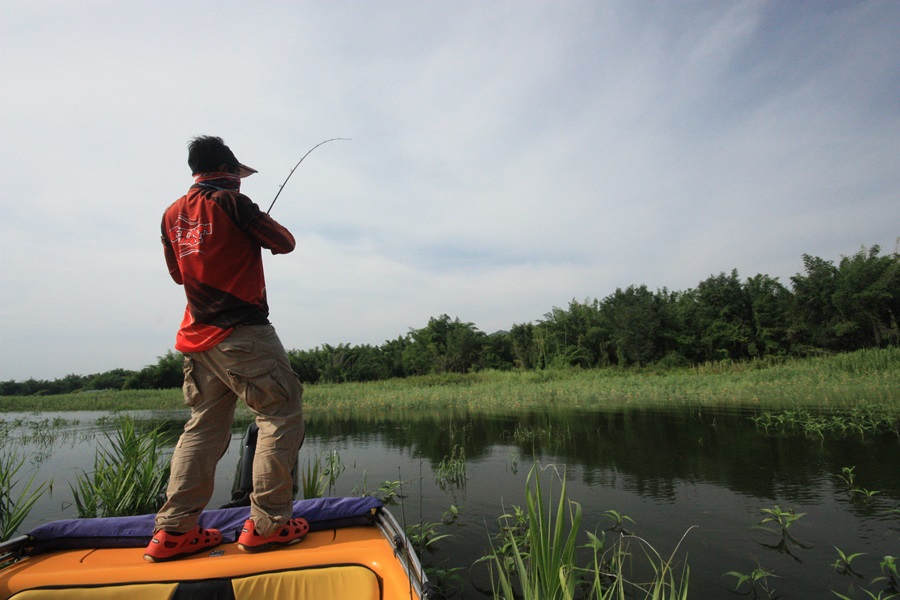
867,378
607,572
537,557
451,471
541,564
312,479
320,476
14,508
101,401
129,475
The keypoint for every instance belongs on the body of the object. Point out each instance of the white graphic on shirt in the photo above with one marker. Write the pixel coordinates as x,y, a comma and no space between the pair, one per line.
188,235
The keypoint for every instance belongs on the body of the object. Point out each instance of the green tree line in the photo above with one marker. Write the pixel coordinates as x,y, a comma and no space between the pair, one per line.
828,308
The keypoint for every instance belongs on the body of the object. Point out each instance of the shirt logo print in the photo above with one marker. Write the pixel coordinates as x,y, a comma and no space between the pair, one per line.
188,234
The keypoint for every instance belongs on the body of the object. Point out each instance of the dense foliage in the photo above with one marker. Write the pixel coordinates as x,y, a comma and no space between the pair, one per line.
829,308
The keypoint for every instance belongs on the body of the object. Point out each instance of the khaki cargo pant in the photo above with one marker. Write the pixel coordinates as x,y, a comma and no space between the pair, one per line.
250,364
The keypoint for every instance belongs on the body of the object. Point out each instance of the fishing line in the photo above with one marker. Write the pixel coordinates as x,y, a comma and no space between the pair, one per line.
281,187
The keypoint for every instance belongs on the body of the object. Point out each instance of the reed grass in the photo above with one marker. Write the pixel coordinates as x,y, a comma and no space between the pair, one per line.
17,497
313,481
129,475
321,475
541,564
537,556
668,580
867,379
451,471
100,401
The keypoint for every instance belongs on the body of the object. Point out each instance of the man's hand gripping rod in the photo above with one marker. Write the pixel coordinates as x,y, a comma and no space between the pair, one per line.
297,165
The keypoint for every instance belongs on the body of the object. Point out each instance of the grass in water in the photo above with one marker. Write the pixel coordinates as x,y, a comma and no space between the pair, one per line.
860,421
537,556
14,509
542,563
451,471
321,475
757,581
129,476
608,579
313,481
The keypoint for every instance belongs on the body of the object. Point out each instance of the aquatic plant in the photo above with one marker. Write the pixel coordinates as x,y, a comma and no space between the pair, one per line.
524,434
513,464
536,556
849,478
872,595
756,580
14,510
865,494
321,475
783,518
129,476
547,570
888,566
452,469
422,536
618,520
666,583
513,529
334,466
857,420
389,491
445,581
843,564
451,515
312,479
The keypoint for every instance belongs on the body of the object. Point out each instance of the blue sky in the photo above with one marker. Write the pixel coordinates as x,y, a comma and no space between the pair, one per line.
506,157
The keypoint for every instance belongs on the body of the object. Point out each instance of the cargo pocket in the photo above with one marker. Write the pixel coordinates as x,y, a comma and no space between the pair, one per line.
254,383
190,390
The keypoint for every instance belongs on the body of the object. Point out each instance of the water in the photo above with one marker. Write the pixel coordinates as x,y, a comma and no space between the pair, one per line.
702,476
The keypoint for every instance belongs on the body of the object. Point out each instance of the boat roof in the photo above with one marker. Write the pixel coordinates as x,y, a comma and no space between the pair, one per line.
355,549
136,531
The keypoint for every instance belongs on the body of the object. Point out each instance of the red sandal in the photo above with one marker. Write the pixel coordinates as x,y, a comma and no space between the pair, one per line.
289,533
167,546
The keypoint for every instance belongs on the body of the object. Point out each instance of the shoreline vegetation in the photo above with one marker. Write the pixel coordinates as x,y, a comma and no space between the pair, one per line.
831,309
534,550
867,380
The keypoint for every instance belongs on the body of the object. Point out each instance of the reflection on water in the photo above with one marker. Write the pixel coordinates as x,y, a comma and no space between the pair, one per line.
666,470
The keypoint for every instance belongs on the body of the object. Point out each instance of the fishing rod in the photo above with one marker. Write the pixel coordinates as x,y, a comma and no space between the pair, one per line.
281,187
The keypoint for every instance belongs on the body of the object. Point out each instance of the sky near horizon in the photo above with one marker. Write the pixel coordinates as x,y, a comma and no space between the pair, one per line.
506,156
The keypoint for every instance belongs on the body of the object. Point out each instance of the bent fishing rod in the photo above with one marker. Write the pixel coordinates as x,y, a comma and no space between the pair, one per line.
281,187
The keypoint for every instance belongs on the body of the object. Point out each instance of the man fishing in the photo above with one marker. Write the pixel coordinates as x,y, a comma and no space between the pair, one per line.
213,239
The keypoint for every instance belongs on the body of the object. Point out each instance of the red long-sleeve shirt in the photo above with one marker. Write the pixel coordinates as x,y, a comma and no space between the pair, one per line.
213,240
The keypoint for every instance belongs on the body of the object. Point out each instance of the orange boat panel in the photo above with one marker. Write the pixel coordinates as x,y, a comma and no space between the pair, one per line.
354,546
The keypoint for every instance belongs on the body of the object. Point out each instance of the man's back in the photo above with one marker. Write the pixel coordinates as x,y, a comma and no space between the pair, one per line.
212,241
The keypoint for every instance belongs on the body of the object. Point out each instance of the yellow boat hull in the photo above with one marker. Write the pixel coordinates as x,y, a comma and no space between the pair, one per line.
356,562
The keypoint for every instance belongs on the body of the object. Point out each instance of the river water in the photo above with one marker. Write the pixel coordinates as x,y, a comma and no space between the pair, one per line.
704,476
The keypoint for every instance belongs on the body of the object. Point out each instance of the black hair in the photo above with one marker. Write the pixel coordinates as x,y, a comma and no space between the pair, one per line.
206,153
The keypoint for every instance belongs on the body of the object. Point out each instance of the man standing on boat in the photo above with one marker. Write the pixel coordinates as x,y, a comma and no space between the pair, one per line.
213,239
